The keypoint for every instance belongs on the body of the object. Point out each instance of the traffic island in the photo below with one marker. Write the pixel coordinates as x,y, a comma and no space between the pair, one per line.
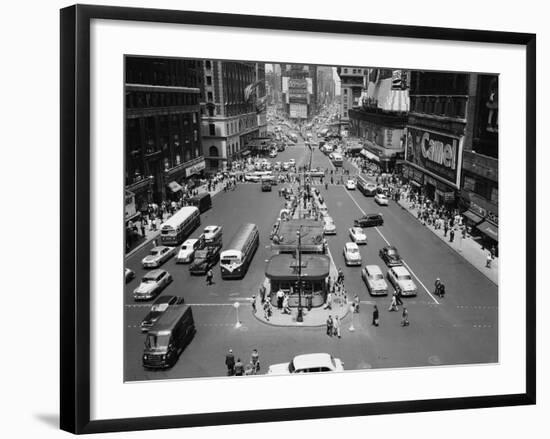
315,317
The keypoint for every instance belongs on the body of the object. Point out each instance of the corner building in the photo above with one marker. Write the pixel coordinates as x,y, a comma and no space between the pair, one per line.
163,147
231,110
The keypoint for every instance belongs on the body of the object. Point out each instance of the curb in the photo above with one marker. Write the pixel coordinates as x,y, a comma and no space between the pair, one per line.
451,247
296,325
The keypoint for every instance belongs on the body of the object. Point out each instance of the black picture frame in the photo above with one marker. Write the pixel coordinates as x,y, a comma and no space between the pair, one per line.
75,217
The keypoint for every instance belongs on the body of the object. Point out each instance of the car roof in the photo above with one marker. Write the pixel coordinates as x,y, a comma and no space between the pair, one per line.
357,229
312,360
400,270
351,245
164,299
373,269
154,273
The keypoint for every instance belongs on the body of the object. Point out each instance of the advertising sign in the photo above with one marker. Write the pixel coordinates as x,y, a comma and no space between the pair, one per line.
298,111
195,169
297,83
436,153
129,204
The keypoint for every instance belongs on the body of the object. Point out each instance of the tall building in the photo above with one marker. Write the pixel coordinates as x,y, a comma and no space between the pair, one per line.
325,85
163,148
230,122
273,86
452,144
352,82
380,118
299,89
479,189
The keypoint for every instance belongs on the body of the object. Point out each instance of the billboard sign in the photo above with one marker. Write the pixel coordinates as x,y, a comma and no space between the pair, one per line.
298,111
297,83
436,153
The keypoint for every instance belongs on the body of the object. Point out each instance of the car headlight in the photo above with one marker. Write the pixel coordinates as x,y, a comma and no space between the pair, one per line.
145,357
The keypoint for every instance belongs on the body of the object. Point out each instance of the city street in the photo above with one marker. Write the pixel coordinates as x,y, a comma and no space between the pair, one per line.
461,328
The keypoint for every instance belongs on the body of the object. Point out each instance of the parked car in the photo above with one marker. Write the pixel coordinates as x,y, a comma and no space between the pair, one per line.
158,256
358,235
369,220
402,280
329,228
187,251
128,275
374,280
352,256
390,256
205,259
351,185
308,363
157,309
152,283
381,199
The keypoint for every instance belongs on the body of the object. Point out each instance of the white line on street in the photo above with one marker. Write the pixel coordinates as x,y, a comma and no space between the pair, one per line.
387,242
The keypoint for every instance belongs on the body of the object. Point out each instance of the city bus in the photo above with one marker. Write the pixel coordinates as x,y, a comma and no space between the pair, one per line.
180,225
337,159
367,188
237,256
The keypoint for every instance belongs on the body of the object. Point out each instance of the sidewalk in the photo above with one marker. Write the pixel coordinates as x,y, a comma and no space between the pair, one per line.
152,234
468,248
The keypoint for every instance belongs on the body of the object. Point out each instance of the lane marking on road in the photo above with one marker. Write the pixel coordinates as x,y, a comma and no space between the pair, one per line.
388,242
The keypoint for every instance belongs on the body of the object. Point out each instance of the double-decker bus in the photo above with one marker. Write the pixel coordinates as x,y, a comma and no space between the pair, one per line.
237,256
180,225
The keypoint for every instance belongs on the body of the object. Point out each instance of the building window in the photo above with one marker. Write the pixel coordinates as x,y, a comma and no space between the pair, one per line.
194,117
210,96
195,135
212,128
208,64
209,80
469,183
345,70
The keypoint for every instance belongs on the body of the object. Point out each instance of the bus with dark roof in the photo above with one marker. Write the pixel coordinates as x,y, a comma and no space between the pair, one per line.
168,337
237,256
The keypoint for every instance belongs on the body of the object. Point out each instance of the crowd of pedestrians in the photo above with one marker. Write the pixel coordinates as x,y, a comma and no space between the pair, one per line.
236,367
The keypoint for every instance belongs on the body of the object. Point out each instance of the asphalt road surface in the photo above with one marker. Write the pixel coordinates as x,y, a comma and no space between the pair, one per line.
462,328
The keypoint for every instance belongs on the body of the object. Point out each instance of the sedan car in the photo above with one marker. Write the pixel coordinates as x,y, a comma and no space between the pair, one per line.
152,283
351,185
212,234
187,251
158,256
308,363
352,256
368,220
357,235
329,228
128,275
159,307
381,199
205,259
402,281
374,280
390,256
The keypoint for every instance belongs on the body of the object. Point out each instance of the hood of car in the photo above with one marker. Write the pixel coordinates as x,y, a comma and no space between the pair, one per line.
150,258
184,253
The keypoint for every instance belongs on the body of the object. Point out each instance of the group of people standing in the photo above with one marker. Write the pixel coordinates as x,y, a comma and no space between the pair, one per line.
237,367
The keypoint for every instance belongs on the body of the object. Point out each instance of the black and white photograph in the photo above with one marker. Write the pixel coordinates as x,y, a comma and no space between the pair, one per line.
297,218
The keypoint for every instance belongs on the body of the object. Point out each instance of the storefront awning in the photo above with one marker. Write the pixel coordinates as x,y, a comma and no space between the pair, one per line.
174,186
472,216
369,155
489,229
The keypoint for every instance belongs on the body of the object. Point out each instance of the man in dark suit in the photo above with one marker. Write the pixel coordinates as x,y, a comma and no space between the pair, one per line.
230,362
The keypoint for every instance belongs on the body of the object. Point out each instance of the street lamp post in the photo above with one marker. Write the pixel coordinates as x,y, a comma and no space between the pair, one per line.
300,316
